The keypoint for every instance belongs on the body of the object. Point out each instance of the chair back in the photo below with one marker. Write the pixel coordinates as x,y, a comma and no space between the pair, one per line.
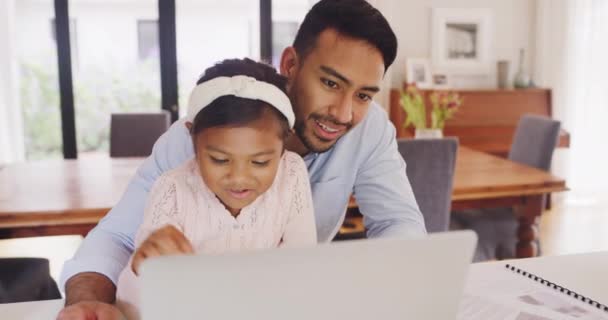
430,168
26,279
134,134
534,141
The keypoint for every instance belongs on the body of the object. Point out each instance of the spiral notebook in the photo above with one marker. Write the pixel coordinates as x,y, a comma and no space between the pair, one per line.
507,292
558,288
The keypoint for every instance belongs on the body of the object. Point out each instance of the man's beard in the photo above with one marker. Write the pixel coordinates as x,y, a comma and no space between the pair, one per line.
309,141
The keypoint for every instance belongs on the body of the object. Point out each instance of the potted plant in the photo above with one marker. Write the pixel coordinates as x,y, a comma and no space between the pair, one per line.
444,105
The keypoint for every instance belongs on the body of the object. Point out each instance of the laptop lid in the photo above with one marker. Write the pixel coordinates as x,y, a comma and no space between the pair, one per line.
420,278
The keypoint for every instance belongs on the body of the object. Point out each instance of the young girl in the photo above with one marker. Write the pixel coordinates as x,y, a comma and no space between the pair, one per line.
242,191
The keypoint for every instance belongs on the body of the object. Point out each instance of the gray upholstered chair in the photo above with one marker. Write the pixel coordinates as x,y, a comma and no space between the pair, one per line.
533,145
430,169
26,279
134,134
534,141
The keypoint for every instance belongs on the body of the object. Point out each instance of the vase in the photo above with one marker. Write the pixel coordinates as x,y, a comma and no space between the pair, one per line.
502,73
428,134
522,79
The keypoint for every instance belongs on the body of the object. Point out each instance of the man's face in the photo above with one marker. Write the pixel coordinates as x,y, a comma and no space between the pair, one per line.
331,88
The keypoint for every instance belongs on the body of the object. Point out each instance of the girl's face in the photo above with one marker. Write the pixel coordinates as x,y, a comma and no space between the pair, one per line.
240,163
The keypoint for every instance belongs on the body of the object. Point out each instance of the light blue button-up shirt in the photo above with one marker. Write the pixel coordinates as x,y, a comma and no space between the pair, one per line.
365,162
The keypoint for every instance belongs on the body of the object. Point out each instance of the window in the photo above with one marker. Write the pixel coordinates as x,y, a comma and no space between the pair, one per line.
286,18
73,40
38,79
147,39
111,77
115,51
283,34
209,31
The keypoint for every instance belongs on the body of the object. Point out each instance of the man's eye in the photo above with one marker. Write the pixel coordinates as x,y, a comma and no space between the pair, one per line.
364,97
218,160
261,163
329,83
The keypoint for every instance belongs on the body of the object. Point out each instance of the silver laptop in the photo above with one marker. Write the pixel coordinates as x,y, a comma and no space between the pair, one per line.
357,280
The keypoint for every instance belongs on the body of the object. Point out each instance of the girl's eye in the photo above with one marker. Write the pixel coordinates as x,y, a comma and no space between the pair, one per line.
218,161
261,163
329,83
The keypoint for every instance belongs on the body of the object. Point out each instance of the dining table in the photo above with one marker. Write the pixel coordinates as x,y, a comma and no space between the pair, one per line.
58,196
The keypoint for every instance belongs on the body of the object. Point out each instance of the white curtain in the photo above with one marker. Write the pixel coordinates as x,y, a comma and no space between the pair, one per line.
11,129
572,58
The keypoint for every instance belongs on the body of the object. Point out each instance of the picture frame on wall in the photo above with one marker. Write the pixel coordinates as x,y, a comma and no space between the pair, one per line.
418,71
441,81
461,40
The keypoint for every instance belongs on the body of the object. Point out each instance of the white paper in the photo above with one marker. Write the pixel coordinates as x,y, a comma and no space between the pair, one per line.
499,293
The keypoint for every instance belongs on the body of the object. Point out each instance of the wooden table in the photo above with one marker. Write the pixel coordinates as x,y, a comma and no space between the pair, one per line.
61,196
70,196
485,181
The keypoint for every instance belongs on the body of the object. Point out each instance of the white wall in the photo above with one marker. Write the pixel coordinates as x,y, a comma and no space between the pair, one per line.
514,23
551,52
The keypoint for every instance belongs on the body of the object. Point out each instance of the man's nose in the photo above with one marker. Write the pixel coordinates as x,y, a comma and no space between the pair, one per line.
342,109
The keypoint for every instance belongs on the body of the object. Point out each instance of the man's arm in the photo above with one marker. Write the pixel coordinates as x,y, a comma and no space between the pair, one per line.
383,192
90,286
93,271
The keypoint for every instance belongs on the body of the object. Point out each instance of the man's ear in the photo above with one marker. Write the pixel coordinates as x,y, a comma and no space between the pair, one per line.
289,62
189,126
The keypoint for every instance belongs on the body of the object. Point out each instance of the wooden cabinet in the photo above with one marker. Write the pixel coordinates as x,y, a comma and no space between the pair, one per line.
487,119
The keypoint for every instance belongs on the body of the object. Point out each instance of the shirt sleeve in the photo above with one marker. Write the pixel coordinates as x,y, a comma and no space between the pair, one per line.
107,248
382,189
301,229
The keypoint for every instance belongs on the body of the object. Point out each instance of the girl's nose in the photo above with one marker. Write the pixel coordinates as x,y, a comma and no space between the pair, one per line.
238,176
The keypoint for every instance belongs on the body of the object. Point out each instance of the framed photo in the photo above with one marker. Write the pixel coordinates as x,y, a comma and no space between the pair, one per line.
461,40
418,70
441,81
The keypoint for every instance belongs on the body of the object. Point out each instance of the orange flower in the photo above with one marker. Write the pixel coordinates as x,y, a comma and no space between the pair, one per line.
412,89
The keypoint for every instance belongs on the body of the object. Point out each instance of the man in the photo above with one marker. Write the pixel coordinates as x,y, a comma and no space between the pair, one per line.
339,57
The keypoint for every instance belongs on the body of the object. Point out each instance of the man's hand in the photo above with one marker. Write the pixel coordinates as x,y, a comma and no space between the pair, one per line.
90,310
90,296
164,241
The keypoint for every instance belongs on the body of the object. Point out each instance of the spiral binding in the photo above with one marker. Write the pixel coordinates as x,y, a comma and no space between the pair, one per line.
558,288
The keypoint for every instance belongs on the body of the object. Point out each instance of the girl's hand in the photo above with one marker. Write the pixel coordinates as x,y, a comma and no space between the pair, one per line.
164,241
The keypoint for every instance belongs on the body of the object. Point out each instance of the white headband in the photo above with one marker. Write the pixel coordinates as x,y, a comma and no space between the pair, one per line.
240,86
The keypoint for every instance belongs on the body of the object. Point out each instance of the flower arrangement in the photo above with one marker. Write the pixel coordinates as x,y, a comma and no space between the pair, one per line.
444,105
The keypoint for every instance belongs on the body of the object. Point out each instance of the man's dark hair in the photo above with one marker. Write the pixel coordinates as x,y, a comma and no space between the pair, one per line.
353,18
237,111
